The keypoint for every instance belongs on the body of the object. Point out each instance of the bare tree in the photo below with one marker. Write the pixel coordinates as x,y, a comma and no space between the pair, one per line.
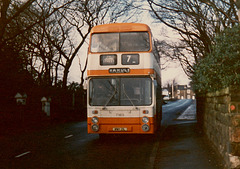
10,11
24,27
78,20
164,52
52,32
197,22
82,70
11,64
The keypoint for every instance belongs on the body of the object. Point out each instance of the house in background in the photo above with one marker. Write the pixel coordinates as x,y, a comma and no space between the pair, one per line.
178,92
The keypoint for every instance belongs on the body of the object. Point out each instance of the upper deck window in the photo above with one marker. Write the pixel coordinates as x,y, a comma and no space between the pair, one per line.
120,42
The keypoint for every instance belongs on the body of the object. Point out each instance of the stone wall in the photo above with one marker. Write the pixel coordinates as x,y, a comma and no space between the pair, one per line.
221,122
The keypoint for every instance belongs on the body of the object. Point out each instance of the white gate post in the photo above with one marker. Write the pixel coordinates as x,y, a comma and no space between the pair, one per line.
46,105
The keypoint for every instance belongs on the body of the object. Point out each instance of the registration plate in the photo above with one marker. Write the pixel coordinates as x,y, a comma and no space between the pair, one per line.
120,129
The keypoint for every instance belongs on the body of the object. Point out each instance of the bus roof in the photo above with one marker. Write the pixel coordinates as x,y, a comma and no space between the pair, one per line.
121,27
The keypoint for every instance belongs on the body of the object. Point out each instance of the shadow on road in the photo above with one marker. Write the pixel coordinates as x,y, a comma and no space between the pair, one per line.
185,146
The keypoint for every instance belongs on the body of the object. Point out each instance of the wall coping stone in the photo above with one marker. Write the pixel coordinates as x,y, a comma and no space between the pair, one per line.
222,92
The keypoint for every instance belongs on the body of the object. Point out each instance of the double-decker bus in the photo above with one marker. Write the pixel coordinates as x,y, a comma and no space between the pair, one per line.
123,80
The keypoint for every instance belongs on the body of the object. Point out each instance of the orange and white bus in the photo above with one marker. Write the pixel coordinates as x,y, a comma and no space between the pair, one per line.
123,80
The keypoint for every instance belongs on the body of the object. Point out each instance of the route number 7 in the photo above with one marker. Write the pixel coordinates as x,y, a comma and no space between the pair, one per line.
128,58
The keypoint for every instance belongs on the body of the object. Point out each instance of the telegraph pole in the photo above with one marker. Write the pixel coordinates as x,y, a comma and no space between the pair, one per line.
173,89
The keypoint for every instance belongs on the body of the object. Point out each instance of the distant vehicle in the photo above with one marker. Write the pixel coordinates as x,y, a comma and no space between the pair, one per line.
124,81
166,97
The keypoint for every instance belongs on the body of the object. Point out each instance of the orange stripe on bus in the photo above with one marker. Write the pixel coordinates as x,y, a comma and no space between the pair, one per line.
123,120
133,129
133,125
120,27
132,72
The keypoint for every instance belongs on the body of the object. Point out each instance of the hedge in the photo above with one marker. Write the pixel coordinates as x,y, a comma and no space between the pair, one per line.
221,68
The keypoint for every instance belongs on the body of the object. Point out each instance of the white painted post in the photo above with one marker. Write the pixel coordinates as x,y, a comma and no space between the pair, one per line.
21,99
46,105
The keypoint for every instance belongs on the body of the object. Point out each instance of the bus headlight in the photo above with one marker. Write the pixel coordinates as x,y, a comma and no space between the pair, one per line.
145,119
95,120
95,127
145,127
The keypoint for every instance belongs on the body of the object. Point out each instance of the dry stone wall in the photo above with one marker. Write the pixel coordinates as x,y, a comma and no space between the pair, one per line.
222,124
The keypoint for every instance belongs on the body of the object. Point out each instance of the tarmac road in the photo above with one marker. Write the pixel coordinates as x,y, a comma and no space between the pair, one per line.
68,146
183,145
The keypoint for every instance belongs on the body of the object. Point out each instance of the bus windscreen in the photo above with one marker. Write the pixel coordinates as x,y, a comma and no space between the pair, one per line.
120,91
120,42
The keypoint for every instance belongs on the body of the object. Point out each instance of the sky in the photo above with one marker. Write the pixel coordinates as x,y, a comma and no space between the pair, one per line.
173,71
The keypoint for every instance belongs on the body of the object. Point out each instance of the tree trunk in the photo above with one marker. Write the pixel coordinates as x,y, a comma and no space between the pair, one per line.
66,71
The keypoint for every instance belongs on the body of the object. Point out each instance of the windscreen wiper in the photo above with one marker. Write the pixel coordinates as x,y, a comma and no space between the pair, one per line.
129,97
110,98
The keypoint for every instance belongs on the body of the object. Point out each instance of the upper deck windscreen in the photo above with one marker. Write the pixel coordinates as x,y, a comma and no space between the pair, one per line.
120,42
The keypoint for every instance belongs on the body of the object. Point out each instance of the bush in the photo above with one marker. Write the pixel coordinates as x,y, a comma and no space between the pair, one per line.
221,68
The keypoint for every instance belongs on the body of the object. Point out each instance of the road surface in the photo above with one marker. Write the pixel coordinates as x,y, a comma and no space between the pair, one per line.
68,146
